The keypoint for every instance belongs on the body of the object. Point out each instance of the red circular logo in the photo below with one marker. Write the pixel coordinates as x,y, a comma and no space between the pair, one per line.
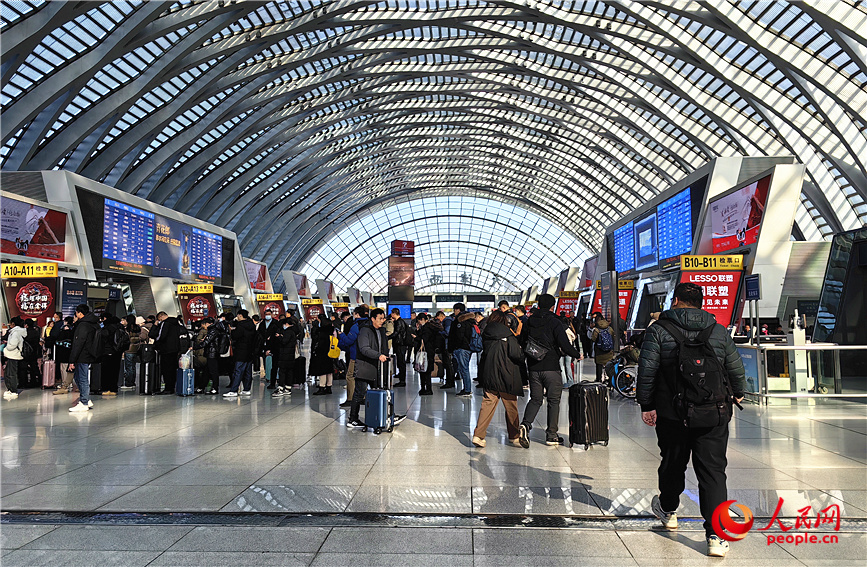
725,527
199,307
34,299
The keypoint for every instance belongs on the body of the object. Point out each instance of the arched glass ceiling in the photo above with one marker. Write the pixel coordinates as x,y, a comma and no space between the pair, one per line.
461,243
281,120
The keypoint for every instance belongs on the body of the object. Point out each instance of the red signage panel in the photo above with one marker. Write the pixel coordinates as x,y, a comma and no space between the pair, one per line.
31,298
402,248
720,292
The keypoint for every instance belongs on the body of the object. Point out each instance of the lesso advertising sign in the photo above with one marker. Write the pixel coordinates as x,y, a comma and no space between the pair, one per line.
720,292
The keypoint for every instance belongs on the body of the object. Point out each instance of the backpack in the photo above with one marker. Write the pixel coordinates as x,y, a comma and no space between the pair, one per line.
97,344
224,341
27,350
702,393
604,341
183,339
476,339
258,343
121,340
333,350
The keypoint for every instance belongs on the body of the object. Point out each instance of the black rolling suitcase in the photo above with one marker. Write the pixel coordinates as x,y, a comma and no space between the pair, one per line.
149,376
588,414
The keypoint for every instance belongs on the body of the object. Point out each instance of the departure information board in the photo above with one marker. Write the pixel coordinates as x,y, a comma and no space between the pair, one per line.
674,227
207,253
127,238
624,246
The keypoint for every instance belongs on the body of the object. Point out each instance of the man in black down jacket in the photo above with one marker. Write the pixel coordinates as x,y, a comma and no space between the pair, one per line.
86,350
167,341
656,370
243,343
545,377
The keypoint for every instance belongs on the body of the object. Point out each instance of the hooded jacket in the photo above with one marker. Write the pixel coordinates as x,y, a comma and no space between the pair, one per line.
83,337
499,370
656,367
602,326
461,332
243,340
15,343
371,343
549,331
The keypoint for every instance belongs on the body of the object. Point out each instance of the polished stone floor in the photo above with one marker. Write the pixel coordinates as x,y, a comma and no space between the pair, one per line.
207,454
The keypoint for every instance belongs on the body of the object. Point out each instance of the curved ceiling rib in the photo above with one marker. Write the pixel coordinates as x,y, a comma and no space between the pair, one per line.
286,121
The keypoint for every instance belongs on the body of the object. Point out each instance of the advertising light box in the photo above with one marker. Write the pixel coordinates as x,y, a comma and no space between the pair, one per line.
645,245
736,217
32,231
720,292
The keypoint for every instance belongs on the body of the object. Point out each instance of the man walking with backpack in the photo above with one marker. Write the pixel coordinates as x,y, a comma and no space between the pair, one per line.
546,333
689,375
459,343
602,339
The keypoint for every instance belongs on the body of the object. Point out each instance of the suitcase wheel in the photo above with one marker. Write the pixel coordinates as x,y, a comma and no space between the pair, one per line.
364,429
378,430
604,443
586,447
390,429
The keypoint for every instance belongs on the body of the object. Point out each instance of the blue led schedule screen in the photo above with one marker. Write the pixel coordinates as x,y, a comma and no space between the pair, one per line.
674,222
127,238
645,243
405,310
624,245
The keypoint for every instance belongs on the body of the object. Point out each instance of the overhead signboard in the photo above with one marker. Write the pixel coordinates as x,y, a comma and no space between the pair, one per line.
30,270
257,275
720,291
31,298
712,263
402,248
736,217
195,288
753,287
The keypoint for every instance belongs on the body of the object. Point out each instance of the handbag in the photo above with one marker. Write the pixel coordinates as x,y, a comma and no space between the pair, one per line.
420,362
534,349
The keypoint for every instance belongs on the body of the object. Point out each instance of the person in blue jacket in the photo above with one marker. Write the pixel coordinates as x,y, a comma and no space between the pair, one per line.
349,343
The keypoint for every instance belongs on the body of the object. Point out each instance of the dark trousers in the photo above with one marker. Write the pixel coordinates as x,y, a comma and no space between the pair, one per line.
600,372
34,375
547,384
424,378
12,374
284,373
525,374
449,367
110,372
169,370
242,375
400,361
707,445
358,398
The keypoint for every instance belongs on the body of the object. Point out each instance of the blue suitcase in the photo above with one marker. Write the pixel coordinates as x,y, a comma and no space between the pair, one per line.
186,379
379,411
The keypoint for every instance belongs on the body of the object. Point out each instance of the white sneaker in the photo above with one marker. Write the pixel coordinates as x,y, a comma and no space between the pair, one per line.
79,407
89,404
6,394
247,393
717,547
668,519
277,393
230,395
12,396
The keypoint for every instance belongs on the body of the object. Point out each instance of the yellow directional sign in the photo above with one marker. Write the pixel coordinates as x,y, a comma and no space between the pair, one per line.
311,302
700,263
269,297
30,270
195,288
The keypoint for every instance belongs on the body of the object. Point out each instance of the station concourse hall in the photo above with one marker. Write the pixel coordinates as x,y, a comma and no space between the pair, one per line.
271,267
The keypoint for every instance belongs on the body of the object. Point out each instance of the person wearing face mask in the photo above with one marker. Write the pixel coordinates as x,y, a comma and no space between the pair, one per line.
268,327
283,349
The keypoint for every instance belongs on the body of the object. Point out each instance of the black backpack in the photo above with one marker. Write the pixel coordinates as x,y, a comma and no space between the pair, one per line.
183,339
224,341
258,343
121,340
702,392
97,344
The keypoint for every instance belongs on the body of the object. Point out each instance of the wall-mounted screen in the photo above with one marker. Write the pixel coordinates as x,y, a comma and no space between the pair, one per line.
32,231
624,249
674,228
736,217
405,310
255,275
646,244
132,240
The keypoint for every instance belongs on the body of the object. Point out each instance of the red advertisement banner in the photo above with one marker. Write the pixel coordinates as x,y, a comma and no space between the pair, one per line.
31,299
276,307
402,248
196,307
720,292
32,231
737,217
566,306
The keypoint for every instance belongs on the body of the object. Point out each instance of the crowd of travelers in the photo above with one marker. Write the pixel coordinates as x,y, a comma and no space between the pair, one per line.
515,351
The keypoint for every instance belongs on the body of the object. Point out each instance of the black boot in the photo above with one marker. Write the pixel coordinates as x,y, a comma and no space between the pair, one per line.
328,390
320,391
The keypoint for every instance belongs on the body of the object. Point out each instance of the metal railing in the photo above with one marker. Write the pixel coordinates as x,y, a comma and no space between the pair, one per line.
817,373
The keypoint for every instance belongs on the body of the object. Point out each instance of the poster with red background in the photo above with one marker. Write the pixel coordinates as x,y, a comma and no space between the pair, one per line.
278,311
32,231
256,275
720,292
196,307
737,217
31,298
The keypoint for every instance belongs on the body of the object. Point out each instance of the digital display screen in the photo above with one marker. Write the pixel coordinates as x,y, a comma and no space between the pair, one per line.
737,217
624,246
127,238
674,228
405,310
646,244
135,241
32,231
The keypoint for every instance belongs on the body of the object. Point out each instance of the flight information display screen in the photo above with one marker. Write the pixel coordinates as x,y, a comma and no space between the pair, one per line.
624,246
136,241
674,222
127,238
